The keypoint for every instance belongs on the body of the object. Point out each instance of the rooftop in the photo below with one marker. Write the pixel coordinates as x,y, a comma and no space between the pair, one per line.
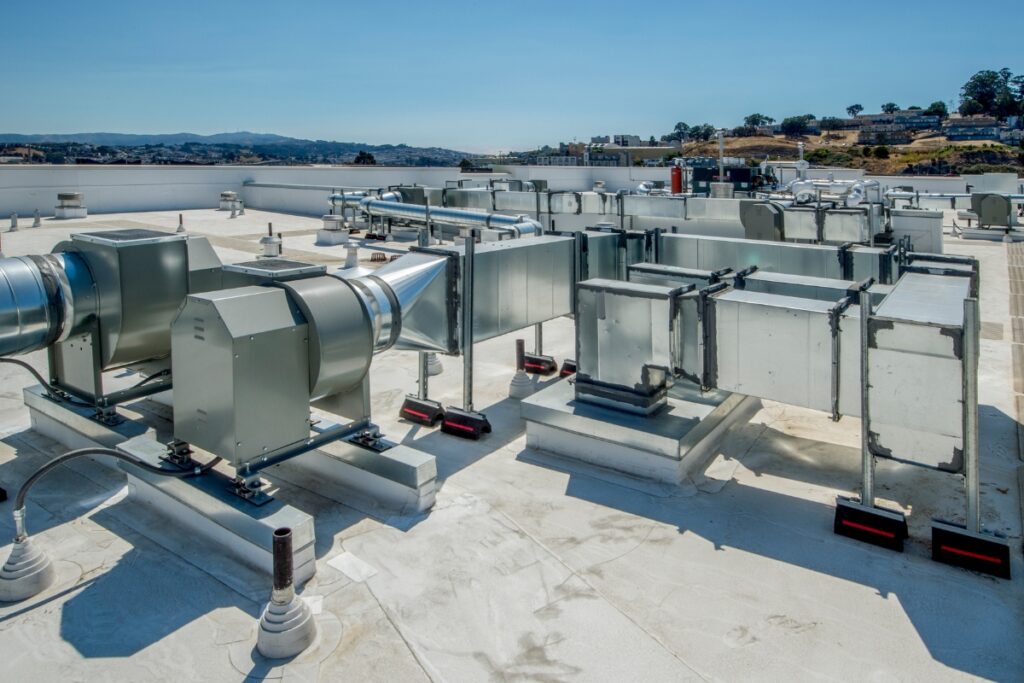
528,567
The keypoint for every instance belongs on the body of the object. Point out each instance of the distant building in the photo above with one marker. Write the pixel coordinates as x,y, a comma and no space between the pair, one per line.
909,119
627,140
557,160
600,139
972,128
1011,136
600,157
884,134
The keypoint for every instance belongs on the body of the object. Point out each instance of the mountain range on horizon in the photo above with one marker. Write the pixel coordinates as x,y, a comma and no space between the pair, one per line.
237,138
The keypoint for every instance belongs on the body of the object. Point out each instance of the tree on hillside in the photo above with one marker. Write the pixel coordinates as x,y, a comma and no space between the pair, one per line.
854,109
831,123
652,142
795,126
744,132
993,93
679,133
755,120
465,165
364,158
703,132
881,152
937,108
914,108
890,108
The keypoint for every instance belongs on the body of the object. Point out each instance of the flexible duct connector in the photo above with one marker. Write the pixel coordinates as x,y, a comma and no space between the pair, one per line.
518,226
383,307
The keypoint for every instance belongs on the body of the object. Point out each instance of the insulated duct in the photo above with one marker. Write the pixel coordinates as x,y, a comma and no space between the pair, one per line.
517,225
850,192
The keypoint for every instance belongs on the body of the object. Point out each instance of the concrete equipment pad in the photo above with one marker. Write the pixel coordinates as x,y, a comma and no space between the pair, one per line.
668,446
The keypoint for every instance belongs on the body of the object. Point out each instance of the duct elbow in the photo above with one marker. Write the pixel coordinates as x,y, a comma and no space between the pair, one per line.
526,228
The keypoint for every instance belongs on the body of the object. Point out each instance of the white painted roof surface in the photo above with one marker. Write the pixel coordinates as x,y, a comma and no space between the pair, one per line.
529,568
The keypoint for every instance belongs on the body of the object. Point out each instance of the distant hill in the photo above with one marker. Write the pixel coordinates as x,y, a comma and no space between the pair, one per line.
267,145
132,140
244,138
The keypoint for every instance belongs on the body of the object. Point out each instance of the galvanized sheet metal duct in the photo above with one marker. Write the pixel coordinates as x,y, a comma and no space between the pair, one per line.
519,225
340,333
29,320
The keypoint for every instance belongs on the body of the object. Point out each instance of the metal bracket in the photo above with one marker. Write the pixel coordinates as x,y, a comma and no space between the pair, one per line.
705,318
178,454
835,315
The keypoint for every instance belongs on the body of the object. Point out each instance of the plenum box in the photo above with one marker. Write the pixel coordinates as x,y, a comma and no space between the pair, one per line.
669,446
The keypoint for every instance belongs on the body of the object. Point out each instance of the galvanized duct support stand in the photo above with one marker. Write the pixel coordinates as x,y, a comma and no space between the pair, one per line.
969,545
468,283
466,422
965,545
862,519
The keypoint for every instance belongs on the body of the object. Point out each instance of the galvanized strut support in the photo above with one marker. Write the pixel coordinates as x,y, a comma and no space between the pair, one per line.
862,519
867,465
467,321
970,415
466,422
969,545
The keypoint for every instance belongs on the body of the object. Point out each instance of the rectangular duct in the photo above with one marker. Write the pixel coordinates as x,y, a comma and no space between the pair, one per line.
518,283
854,262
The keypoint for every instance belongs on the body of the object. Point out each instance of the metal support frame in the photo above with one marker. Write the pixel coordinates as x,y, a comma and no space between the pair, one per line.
538,339
970,414
248,484
467,319
862,519
835,315
867,466
422,391
103,402
969,545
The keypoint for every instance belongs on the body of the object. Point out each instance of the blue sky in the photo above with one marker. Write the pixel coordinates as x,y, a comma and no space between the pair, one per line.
479,76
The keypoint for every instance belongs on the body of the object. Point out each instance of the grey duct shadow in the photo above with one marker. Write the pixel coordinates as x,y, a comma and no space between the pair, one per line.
957,616
146,596
454,454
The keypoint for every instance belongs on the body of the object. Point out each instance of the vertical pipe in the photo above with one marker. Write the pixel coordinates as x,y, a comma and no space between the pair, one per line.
423,389
467,320
520,355
424,235
970,417
538,338
721,157
867,493
284,590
